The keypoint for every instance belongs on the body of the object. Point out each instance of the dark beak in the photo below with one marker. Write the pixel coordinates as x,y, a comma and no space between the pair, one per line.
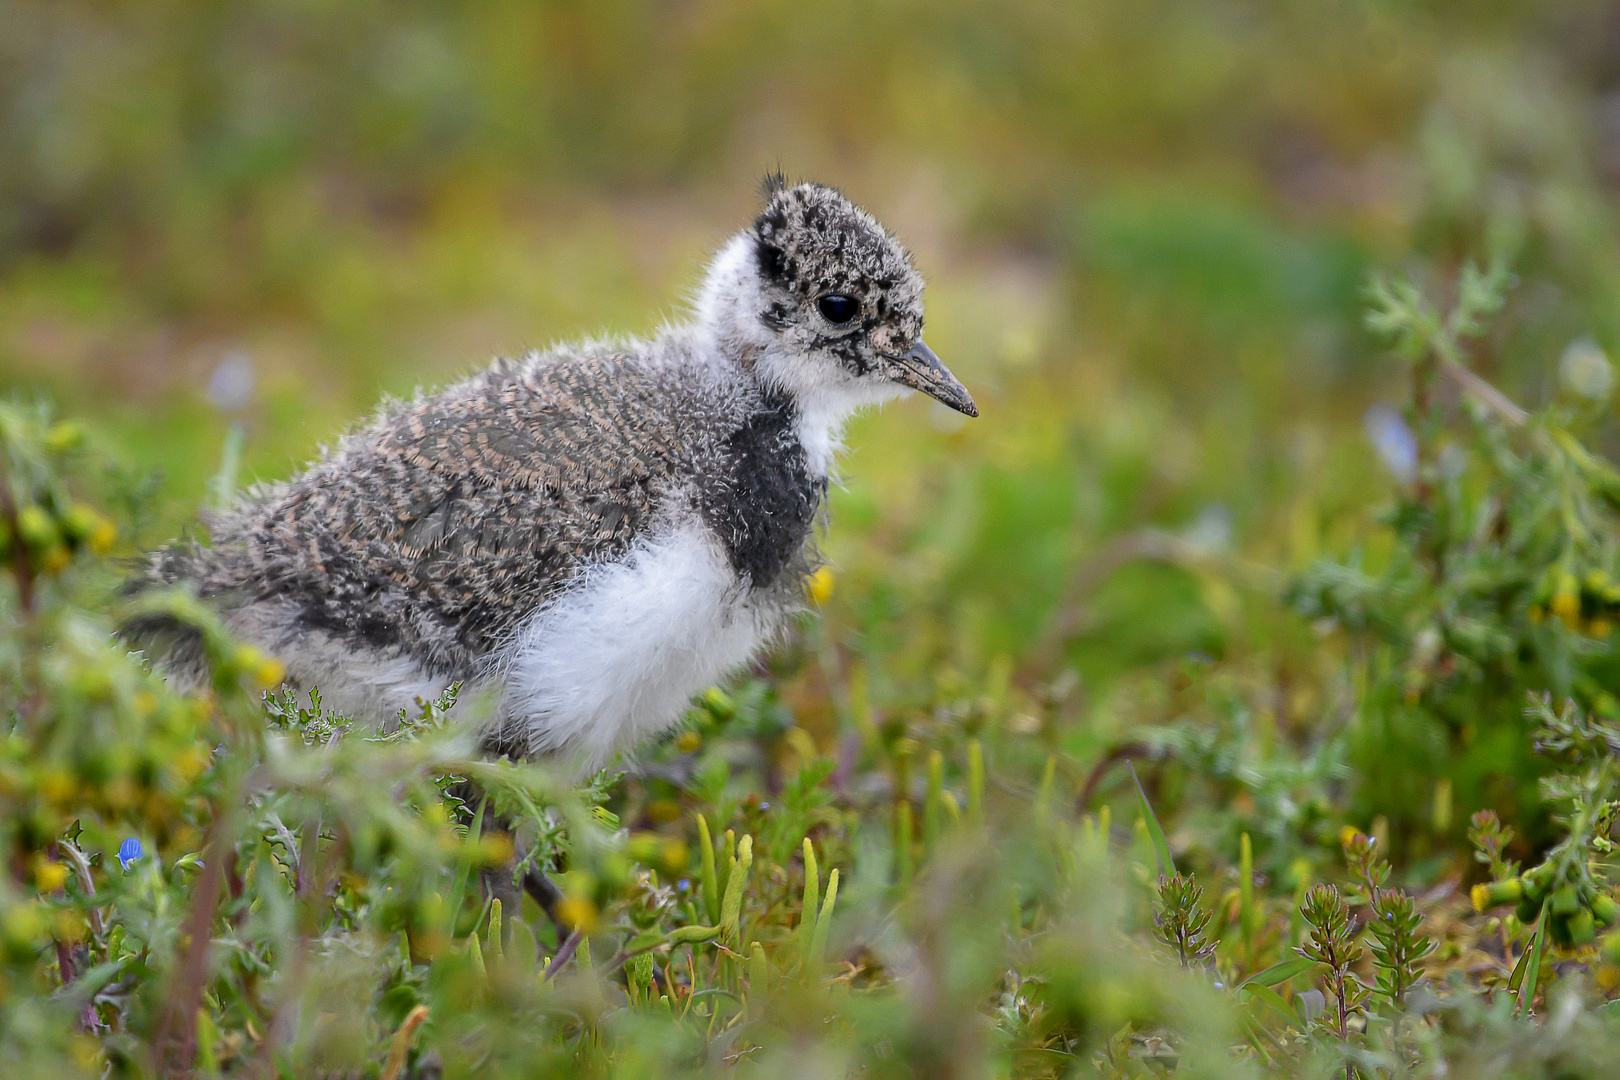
921,370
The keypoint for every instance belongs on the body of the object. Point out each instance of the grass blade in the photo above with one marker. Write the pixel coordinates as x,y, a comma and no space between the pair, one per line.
711,885
818,941
812,897
1161,846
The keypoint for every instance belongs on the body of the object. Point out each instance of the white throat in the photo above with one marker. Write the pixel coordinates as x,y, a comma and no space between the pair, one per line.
823,412
725,317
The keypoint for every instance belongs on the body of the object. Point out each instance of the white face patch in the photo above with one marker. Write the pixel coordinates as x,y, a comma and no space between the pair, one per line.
617,657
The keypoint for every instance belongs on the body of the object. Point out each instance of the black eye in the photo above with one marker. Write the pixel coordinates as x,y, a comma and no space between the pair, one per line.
838,308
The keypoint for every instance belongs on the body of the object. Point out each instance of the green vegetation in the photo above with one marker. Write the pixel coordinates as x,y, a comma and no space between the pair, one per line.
1238,697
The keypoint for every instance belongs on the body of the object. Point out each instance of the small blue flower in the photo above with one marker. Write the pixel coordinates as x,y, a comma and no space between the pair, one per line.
1393,440
129,851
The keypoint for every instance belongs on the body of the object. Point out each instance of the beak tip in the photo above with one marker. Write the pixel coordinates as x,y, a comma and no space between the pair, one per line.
933,378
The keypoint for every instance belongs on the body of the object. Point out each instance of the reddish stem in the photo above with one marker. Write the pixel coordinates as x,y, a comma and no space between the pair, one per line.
176,1041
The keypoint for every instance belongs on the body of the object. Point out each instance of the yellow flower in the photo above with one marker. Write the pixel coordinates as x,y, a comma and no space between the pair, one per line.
260,669
1567,606
688,741
578,912
719,703
68,926
86,526
270,672
673,855
36,528
102,537
62,436
49,876
820,586
496,849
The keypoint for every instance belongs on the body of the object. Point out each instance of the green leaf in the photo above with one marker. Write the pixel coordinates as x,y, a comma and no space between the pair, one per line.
464,869
1275,1002
1278,973
687,935
818,941
522,954
651,939
711,884
1532,970
812,898
1253,1032
975,782
92,982
731,903
1247,915
1161,846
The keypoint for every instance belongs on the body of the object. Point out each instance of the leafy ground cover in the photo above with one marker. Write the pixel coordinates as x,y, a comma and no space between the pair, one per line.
242,883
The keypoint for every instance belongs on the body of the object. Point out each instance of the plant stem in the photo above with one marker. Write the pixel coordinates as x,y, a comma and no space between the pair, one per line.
564,953
175,1044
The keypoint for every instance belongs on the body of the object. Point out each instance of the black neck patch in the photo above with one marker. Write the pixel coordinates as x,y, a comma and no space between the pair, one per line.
762,503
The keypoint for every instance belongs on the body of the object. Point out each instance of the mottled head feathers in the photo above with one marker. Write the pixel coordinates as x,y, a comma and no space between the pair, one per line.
832,280
823,306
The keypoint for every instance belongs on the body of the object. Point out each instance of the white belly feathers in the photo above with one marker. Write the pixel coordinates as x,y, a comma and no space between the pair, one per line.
616,657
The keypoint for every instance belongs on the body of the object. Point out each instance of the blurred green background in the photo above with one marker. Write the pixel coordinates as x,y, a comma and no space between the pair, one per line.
1146,227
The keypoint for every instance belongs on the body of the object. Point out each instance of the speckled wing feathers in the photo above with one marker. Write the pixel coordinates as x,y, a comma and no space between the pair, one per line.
436,530
550,426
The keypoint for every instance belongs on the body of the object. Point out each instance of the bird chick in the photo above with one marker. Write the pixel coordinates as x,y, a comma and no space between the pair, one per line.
589,535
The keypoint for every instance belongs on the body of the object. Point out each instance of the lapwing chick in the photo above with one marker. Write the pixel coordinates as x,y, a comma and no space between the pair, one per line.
589,535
